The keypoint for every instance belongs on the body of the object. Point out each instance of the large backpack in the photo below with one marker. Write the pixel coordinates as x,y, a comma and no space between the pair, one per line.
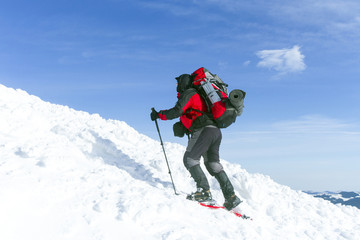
224,107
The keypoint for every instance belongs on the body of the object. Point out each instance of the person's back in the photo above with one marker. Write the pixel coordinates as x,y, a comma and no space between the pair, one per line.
190,107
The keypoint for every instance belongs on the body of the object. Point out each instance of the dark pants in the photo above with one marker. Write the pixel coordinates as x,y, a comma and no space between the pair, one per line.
206,142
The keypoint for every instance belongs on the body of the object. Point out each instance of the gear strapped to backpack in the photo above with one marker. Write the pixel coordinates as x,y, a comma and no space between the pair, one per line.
224,107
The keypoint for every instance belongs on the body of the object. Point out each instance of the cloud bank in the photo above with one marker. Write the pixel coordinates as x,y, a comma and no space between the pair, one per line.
283,61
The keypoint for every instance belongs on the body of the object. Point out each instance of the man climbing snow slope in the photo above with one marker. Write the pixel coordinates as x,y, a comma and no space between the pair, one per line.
204,141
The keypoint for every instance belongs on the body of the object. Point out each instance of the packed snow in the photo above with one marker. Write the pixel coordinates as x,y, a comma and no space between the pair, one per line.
67,174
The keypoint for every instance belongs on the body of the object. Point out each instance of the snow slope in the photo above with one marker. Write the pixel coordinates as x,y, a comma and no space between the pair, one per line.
66,174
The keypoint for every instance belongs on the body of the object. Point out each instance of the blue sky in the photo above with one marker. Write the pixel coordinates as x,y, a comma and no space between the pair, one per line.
298,61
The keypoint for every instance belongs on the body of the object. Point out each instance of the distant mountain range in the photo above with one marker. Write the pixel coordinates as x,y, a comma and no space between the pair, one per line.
345,198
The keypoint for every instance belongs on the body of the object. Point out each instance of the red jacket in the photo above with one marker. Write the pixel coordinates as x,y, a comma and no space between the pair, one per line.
185,108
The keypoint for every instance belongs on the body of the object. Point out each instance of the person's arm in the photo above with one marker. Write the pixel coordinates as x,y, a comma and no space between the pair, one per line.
179,108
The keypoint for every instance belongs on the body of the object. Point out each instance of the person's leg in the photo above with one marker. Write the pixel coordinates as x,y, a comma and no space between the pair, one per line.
215,168
211,156
213,165
196,146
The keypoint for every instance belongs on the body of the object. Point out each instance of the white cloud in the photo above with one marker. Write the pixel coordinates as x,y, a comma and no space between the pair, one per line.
246,63
282,60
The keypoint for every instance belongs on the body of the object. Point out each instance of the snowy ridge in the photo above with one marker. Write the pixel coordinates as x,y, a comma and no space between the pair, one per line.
345,198
66,174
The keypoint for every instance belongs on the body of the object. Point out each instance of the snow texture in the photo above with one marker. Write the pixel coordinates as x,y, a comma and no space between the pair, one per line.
67,174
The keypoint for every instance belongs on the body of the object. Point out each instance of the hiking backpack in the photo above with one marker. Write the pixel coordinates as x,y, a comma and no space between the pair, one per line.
224,107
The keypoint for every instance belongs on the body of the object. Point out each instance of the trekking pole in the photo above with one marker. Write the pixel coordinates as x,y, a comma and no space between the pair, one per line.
162,144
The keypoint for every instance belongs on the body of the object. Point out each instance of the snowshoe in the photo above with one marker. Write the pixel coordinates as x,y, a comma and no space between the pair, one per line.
200,196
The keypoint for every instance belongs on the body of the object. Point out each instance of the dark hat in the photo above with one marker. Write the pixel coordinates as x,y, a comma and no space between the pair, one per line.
184,82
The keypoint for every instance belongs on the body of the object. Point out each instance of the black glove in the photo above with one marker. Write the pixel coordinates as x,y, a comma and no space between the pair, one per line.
154,114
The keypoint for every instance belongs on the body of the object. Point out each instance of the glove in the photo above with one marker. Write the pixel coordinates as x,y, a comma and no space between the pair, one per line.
154,115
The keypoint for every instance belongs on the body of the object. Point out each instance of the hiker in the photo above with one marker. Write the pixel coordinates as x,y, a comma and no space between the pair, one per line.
204,141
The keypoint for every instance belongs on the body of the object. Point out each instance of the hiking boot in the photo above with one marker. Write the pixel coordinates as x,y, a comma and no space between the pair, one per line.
232,202
200,195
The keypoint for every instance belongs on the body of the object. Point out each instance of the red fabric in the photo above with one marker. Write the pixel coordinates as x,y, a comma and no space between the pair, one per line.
219,107
199,76
162,116
195,102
